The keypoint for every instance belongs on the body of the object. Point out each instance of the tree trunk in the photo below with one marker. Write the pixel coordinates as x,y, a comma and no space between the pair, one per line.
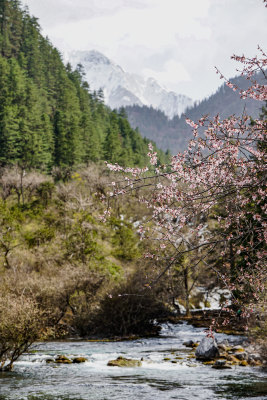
187,306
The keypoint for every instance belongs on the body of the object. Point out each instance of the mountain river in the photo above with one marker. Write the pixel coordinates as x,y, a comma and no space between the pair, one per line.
177,377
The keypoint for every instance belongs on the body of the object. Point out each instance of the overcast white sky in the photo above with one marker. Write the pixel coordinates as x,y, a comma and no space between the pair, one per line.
178,42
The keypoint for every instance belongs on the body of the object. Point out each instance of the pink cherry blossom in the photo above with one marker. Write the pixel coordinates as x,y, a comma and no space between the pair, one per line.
223,167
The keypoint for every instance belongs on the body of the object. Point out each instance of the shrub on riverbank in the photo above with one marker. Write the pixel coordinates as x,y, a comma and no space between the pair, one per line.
58,256
21,323
131,308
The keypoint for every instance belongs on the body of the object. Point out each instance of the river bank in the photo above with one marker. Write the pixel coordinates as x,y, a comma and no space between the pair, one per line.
204,319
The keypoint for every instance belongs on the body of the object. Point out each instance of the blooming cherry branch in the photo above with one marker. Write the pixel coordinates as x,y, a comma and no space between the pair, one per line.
221,176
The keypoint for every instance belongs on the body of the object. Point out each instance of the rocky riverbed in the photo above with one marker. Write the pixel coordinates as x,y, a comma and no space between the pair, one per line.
223,355
163,367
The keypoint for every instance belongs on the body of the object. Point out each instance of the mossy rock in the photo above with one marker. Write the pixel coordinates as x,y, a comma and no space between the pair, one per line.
124,362
243,363
224,355
238,349
188,343
79,360
252,363
50,360
191,344
241,355
179,358
191,356
221,366
166,359
232,359
62,360
209,362
255,363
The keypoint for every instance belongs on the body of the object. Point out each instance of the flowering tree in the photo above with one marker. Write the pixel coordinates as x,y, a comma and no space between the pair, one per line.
220,177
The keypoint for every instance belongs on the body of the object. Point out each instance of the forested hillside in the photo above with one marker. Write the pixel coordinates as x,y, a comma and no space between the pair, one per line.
60,265
174,133
48,116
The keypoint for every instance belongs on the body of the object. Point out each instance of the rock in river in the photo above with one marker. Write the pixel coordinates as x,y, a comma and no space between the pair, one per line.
79,360
124,362
207,349
62,360
242,355
221,364
190,343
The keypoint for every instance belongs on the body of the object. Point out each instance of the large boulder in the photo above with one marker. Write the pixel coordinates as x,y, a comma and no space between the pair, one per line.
207,349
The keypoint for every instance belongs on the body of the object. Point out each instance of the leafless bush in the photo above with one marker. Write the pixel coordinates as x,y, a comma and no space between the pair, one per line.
21,323
61,173
21,182
96,178
65,294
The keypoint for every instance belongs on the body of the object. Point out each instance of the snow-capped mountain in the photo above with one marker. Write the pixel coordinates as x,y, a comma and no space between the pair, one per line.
123,89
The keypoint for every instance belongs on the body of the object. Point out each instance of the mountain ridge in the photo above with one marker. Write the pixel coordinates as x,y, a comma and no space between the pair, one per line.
174,133
122,88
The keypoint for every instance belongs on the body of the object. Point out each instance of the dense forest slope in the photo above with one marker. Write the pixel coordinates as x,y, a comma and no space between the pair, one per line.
48,116
174,133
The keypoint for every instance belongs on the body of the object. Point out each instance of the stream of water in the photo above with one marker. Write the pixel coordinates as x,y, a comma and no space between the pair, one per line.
179,377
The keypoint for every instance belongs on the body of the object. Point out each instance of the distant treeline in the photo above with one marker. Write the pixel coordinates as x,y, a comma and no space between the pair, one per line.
48,116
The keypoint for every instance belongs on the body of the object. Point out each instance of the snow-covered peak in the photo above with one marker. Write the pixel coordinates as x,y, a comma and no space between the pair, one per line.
89,57
122,88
